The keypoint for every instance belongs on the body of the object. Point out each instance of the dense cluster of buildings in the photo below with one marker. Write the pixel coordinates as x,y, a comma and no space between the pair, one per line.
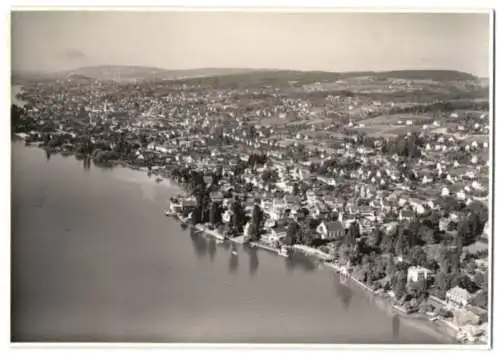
374,203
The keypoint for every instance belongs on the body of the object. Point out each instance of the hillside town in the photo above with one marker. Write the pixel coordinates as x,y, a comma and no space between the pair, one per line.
387,184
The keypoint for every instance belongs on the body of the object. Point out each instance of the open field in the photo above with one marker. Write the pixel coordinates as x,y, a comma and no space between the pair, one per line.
385,130
393,119
476,247
480,138
271,121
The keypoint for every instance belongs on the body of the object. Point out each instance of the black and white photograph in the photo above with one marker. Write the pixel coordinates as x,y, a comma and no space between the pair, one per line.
194,176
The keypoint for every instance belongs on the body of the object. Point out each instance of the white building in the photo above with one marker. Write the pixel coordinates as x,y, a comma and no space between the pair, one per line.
486,229
461,195
458,296
477,186
226,217
416,273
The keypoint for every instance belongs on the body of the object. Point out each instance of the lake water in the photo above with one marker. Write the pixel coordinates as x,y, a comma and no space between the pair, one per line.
94,259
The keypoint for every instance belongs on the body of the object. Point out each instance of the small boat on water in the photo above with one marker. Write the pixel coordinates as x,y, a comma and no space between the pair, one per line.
169,212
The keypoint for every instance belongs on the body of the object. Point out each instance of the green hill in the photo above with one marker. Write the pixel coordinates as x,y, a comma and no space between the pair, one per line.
237,77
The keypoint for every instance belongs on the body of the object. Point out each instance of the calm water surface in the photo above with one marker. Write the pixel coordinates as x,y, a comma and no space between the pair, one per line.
94,259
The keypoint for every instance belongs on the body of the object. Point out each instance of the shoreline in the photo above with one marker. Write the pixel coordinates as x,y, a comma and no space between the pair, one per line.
440,330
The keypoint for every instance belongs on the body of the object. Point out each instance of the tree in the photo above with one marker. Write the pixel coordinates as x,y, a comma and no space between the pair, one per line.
292,233
402,246
252,232
143,140
466,283
197,215
454,280
335,252
417,289
363,248
216,177
418,256
376,237
257,218
413,233
432,265
202,202
399,286
445,313
345,254
463,231
480,300
15,114
452,226
481,281
270,176
455,260
353,233
390,269
238,217
470,267
475,227
365,261
441,284
444,260
387,244
302,214
215,213
426,234
379,268
205,208
308,231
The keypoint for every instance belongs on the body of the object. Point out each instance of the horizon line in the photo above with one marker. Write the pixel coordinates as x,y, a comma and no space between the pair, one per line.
245,68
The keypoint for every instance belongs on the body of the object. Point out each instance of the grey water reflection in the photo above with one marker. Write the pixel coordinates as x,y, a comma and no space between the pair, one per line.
199,243
87,163
233,258
212,249
395,326
252,253
299,260
343,291
290,265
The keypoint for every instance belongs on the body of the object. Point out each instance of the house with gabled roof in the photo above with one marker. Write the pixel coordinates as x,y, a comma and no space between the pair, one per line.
330,230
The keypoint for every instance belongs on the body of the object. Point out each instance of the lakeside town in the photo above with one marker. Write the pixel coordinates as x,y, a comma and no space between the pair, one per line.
385,179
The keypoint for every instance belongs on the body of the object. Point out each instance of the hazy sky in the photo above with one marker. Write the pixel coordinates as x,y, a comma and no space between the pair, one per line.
306,41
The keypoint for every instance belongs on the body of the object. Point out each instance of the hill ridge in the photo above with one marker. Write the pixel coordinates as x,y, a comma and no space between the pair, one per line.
215,74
